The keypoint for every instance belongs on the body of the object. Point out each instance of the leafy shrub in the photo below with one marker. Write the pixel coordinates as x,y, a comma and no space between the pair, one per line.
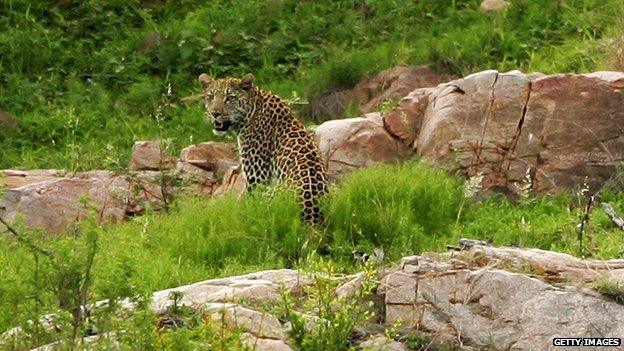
322,321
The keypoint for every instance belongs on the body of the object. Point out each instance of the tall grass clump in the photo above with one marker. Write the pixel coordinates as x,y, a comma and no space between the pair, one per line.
206,238
402,209
545,222
257,230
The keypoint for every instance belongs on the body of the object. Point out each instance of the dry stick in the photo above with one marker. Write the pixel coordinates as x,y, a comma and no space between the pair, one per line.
190,99
612,214
585,222
80,311
28,243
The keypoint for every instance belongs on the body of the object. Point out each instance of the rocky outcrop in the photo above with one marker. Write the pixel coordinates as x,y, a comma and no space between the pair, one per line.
149,156
52,200
208,165
519,131
219,301
370,93
501,298
353,143
54,204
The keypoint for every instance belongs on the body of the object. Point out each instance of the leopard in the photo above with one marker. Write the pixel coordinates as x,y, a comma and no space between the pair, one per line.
272,143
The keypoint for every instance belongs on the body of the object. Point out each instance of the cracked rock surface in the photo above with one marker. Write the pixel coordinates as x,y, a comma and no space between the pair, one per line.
347,144
520,131
468,301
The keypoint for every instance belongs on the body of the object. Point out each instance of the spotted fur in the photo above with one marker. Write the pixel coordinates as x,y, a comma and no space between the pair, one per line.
272,142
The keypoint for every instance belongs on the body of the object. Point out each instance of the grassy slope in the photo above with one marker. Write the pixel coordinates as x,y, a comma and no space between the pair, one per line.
403,214
84,91
78,77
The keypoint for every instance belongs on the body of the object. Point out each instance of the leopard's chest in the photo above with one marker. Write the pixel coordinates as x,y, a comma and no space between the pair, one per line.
255,148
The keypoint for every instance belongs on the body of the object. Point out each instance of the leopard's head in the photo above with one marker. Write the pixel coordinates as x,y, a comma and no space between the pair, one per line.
228,101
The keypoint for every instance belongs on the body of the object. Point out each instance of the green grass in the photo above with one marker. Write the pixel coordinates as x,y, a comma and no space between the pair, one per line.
84,86
81,80
410,209
402,209
200,239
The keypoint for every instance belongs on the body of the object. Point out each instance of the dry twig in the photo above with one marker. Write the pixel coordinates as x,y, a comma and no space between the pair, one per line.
615,218
27,242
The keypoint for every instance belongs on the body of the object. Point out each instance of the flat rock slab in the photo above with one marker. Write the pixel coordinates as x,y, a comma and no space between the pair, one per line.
11,179
263,344
261,286
382,343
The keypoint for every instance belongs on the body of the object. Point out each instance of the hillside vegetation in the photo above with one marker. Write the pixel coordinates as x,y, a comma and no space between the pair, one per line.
87,78
411,209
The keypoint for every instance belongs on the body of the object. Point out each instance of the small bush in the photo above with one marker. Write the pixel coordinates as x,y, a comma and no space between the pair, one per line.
319,319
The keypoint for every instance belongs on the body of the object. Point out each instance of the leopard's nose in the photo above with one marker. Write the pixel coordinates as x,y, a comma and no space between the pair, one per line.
216,114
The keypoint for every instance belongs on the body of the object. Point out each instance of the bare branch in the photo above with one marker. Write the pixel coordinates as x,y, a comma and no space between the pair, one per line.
187,100
27,242
612,215
585,221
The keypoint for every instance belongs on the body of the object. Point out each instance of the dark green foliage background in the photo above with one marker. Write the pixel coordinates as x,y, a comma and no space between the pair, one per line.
84,85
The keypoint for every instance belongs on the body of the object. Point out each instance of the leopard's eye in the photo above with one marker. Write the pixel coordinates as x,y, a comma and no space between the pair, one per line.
209,96
230,97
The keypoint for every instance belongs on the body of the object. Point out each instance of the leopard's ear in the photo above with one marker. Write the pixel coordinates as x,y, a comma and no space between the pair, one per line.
247,81
204,80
